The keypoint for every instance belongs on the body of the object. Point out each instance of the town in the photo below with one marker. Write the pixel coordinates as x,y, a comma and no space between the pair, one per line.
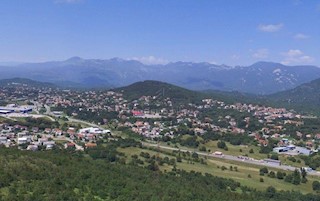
152,117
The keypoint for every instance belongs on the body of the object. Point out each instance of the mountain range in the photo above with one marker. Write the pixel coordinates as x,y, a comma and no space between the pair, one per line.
259,78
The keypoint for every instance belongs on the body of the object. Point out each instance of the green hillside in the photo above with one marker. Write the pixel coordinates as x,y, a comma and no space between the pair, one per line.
69,175
161,90
304,98
182,95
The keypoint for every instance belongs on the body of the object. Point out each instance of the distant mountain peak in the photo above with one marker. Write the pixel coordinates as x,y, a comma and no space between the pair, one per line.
74,59
118,59
267,64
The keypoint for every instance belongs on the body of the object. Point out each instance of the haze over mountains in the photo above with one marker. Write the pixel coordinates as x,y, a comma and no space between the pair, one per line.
259,78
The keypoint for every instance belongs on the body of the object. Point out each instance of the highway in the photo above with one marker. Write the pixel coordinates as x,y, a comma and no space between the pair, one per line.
233,158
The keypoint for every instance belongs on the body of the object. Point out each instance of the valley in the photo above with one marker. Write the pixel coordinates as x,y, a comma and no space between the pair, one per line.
194,131
159,100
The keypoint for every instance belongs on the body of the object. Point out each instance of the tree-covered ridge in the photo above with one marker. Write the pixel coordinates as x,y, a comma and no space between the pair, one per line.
305,97
161,90
68,175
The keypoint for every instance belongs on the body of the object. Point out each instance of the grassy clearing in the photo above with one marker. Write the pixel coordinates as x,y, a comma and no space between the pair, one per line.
284,159
119,134
136,151
62,142
214,167
237,150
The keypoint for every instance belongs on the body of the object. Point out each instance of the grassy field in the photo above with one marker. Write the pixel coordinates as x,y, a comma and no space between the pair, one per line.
62,142
285,161
237,150
2,119
214,167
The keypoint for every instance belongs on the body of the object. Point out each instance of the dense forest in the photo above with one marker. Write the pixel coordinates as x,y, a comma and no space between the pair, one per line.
100,174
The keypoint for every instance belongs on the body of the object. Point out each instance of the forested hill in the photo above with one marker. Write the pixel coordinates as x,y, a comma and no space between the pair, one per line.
161,90
181,95
68,175
305,97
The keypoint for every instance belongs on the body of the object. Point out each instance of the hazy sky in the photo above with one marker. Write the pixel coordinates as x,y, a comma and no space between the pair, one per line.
232,32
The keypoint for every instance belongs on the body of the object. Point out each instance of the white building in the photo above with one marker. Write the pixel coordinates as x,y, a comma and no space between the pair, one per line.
22,140
94,130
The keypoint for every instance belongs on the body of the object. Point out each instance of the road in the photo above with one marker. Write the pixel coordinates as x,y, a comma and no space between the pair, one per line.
84,122
12,116
36,106
48,110
233,158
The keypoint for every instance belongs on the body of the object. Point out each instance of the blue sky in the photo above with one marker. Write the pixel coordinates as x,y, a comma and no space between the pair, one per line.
232,32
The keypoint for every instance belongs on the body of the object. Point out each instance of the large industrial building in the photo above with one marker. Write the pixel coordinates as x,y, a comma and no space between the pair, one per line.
13,108
292,150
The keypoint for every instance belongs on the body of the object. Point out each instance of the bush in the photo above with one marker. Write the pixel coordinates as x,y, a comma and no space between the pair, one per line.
274,157
264,170
179,159
288,178
316,185
304,180
280,175
271,191
293,159
272,174
221,145
203,148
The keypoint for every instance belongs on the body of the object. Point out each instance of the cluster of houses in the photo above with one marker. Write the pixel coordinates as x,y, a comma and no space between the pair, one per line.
191,114
35,139
20,135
